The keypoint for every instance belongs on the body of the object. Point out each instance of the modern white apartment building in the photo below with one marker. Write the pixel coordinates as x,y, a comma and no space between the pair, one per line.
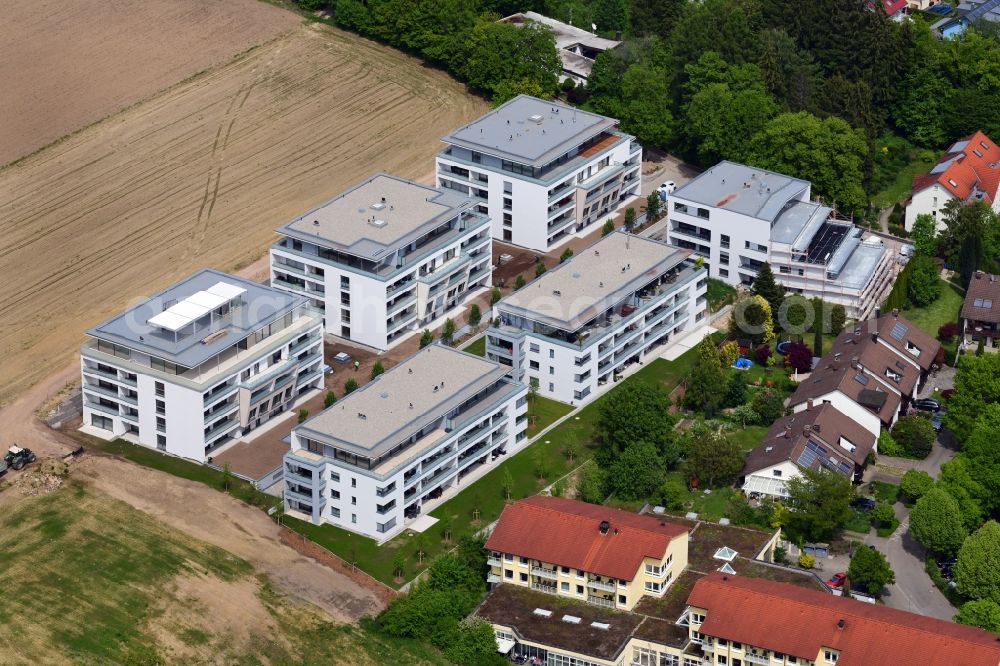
376,459
385,258
737,217
541,170
582,322
200,363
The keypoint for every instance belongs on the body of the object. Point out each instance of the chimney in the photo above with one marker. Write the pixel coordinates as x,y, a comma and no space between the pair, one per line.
878,311
874,336
854,362
895,313
806,429
809,404
604,526
788,431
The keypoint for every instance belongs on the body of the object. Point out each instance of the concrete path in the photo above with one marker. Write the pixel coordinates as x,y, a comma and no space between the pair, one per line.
913,590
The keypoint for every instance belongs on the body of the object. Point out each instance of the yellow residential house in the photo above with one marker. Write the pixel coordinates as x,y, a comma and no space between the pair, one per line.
606,557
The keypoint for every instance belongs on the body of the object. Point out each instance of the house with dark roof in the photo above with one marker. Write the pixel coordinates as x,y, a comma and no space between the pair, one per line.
981,312
820,437
741,620
968,171
604,556
911,344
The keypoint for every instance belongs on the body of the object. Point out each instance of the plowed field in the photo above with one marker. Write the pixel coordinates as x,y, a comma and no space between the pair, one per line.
200,175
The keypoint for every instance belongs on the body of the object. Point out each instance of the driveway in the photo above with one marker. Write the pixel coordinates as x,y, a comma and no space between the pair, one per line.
913,590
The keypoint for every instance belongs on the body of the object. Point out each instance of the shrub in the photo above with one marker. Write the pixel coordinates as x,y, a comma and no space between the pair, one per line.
947,331
303,415
539,269
377,369
608,227
915,483
882,514
887,446
350,386
426,338
519,282
495,295
671,495
800,357
728,353
915,434
329,399
807,561
769,404
475,315
762,354
565,256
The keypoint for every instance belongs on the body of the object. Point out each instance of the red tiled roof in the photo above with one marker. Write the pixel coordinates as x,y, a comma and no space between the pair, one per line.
799,622
893,6
567,533
966,169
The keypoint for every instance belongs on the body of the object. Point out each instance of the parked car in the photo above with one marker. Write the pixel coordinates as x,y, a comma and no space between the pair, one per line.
865,504
936,420
837,580
926,405
667,188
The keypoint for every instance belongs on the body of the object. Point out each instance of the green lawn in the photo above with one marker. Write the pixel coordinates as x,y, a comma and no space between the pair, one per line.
748,437
858,522
719,294
946,308
477,346
709,507
543,412
486,497
885,492
900,188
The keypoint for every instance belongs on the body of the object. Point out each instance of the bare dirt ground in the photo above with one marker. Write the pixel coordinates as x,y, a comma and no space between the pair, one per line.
245,531
200,175
66,65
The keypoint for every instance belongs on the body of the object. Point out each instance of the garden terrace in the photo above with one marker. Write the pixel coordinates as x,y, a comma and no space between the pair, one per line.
664,611
514,606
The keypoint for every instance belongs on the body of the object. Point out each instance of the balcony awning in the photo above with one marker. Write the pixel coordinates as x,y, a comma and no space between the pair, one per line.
505,645
765,486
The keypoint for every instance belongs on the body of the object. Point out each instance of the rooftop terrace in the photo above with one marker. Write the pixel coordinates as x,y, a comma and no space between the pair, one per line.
376,216
530,131
181,324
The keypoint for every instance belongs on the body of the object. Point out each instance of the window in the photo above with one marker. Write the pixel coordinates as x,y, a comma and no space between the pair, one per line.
524,560
161,424
354,518
552,370
161,442
552,353
345,316
579,574
354,501
697,618
722,660
533,365
784,269
335,494
621,599
723,272
776,473
345,298
830,656
724,258
565,570
533,347
345,282
737,646
579,589
508,187
508,557
524,577
643,657
354,482
552,387
508,204
723,240
564,586
654,587
161,407
508,573
721,642
102,422
159,389
334,512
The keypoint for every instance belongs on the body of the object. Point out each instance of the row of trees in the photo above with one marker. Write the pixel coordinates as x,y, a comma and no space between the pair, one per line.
499,60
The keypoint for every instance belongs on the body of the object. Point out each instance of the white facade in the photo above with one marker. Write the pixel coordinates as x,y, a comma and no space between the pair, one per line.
772,480
738,217
928,201
377,284
579,325
374,461
844,404
263,353
560,172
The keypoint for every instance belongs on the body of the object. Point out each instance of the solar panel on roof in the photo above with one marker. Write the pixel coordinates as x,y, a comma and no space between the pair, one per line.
898,331
861,378
987,302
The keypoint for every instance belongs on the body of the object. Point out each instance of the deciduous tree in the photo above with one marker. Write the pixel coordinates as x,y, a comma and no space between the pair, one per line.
977,570
936,522
819,501
870,570
638,472
915,434
715,459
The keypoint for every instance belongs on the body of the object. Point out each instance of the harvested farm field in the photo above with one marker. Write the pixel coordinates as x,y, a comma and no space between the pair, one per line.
200,175
66,65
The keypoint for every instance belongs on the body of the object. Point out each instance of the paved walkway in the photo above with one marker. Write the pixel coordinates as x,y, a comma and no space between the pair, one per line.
688,342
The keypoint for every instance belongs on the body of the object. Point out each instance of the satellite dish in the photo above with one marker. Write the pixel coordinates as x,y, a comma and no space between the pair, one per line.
593,26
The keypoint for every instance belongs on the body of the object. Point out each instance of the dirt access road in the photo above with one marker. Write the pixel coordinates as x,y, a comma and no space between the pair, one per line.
66,65
200,175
